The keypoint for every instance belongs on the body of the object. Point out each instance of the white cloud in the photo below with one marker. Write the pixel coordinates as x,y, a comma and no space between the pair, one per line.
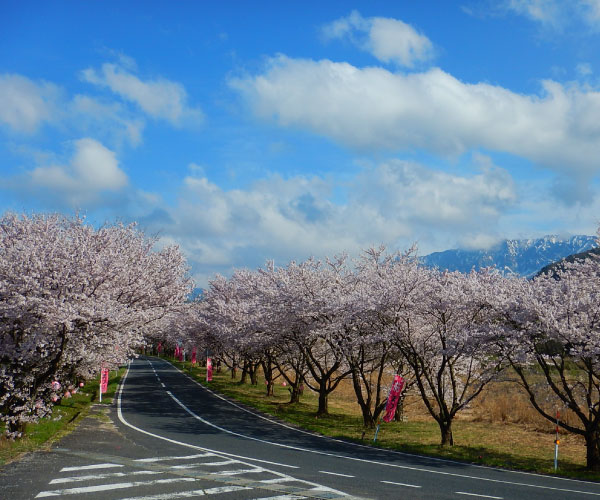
389,40
373,108
584,69
558,14
24,104
92,170
547,12
395,202
159,98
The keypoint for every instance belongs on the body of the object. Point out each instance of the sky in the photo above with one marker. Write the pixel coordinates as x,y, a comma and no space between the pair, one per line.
250,131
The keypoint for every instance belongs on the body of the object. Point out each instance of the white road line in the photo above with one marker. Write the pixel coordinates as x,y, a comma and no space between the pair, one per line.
163,385
235,472
476,495
282,497
107,487
191,493
402,484
335,473
186,457
92,477
363,460
90,467
217,464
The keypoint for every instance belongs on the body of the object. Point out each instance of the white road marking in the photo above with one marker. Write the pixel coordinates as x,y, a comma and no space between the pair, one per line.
402,484
335,473
191,493
235,472
186,457
92,477
107,487
282,497
90,467
163,385
363,460
224,462
476,495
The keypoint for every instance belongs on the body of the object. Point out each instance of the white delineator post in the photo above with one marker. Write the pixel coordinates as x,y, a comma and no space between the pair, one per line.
556,443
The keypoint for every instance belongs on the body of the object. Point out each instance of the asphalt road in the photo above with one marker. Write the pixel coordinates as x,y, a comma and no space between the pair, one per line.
173,438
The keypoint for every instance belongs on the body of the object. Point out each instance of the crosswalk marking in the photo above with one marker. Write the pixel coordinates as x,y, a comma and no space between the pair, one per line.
191,493
107,487
236,472
90,467
106,475
186,457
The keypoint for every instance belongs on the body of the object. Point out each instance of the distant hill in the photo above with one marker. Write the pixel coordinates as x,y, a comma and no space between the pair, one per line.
554,266
522,257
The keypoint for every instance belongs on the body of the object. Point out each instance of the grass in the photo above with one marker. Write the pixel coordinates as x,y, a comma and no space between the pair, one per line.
64,418
522,446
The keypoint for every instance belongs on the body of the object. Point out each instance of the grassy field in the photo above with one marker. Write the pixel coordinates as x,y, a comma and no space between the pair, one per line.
63,420
501,431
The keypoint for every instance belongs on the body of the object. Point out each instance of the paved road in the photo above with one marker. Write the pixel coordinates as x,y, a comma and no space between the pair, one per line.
176,439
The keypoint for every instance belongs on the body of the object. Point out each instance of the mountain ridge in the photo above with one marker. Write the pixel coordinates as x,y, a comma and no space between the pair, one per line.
524,257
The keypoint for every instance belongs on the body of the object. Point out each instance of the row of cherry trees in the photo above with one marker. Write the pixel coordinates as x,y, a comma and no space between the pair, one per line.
447,333
73,299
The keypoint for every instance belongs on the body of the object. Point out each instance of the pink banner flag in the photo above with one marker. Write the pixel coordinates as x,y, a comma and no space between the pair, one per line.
159,348
104,380
194,356
208,369
393,398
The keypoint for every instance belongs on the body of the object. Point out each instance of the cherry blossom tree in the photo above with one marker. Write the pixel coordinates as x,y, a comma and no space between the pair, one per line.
73,298
551,338
443,337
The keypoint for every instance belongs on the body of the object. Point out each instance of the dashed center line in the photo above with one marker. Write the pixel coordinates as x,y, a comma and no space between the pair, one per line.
402,484
335,473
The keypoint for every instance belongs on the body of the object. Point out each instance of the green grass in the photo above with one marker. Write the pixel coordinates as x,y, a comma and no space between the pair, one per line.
507,445
65,417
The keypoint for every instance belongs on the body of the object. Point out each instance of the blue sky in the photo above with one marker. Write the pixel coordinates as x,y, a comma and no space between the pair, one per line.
246,131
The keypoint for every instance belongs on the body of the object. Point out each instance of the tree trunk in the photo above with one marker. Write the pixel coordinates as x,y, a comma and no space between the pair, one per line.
446,431
244,373
323,407
592,445
294,393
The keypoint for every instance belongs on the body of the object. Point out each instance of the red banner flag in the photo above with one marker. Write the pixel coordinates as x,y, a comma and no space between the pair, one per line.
160,348
194,356
208,369
393,398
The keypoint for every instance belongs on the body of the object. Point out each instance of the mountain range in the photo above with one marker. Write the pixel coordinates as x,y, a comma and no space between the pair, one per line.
522,257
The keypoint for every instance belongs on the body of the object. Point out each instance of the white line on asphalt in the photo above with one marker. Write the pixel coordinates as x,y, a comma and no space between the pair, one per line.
163,385
235,472
283,497
107,487
186,457
91,477
90,467
476,495
402,484
191,493
215,464
335,473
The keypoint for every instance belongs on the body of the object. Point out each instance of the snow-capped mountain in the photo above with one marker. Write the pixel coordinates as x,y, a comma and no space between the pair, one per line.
523,257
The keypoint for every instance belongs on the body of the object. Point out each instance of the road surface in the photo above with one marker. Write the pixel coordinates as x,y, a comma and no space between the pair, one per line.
177,439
